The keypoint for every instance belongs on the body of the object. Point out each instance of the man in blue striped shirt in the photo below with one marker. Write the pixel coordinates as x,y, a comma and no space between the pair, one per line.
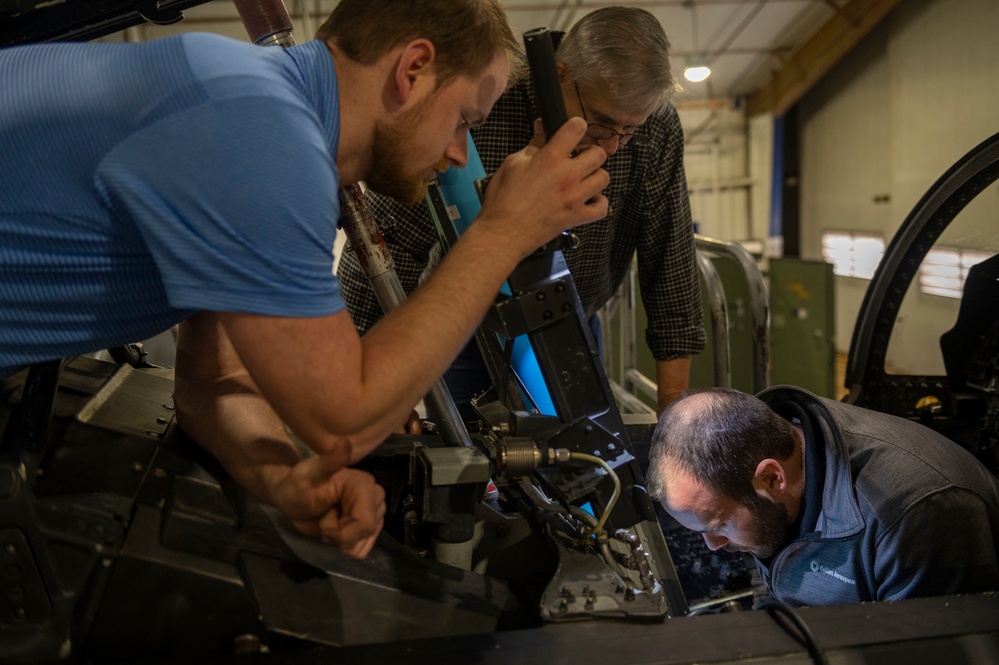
195,179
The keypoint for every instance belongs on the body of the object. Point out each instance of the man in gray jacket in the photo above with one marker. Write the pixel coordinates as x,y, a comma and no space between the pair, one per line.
836,503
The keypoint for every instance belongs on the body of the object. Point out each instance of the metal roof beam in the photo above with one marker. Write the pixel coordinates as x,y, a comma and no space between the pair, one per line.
816,56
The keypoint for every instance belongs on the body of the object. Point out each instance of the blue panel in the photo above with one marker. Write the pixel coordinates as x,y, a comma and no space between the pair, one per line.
777,189
459,194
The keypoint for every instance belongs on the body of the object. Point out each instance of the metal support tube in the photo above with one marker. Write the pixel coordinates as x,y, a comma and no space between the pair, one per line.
266,21
718,305
358,222
759,301
629,355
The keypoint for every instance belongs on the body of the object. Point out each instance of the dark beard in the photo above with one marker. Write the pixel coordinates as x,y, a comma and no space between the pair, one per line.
772,523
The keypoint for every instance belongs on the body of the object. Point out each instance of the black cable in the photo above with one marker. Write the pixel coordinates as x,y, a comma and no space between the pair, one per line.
804,634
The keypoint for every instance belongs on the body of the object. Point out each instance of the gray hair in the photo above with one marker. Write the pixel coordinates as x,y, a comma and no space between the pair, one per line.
624,50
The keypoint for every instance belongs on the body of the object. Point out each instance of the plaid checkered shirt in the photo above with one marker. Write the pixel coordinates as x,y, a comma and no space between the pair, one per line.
650,215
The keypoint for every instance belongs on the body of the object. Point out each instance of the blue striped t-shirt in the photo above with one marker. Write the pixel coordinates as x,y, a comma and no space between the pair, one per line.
140,183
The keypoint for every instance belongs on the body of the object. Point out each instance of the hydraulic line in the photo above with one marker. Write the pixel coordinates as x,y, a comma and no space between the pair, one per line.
617,487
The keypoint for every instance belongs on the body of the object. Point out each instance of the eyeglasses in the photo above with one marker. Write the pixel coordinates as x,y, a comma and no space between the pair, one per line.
599,132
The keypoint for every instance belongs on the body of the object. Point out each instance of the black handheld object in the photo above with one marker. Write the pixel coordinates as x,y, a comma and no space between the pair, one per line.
544,75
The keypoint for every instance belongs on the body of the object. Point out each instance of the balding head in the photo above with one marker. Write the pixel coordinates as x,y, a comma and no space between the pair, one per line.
718,436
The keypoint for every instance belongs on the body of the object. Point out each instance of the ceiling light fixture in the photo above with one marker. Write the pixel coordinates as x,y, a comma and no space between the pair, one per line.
696,70
697,66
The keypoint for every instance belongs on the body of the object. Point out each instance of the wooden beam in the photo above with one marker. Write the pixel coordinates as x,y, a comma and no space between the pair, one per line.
818,55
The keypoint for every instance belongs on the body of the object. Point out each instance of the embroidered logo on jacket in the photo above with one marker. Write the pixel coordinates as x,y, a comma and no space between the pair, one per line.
819,568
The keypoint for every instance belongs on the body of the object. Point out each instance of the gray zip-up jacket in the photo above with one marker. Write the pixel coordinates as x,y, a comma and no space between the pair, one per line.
899,511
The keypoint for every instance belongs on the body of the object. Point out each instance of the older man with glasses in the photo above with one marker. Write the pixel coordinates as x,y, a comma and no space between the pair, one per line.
615,73
604,135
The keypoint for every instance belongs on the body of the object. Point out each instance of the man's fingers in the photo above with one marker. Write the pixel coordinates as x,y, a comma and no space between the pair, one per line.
318,469
567,137
413,425
591,157
353,525
598,207
584,170
539,138
354,537
363,548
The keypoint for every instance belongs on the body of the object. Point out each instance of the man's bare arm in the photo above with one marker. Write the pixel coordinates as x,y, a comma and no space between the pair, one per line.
672,378
242,377
336,390
220,406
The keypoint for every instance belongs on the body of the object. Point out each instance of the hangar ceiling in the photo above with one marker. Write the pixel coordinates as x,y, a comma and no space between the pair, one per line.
767,52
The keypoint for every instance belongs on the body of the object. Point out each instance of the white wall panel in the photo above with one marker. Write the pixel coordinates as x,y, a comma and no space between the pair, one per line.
760,137
717,166
944,87
846,148
918,93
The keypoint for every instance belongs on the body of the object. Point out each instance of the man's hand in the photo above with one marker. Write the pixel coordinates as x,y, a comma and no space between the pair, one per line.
344,507
543,190
412,424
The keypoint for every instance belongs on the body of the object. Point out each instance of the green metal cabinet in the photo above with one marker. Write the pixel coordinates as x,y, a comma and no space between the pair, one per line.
802,325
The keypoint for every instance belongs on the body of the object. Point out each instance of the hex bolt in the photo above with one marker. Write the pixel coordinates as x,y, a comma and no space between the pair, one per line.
245,644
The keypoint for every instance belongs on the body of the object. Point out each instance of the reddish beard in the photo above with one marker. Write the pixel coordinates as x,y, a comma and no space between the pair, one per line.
389,173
